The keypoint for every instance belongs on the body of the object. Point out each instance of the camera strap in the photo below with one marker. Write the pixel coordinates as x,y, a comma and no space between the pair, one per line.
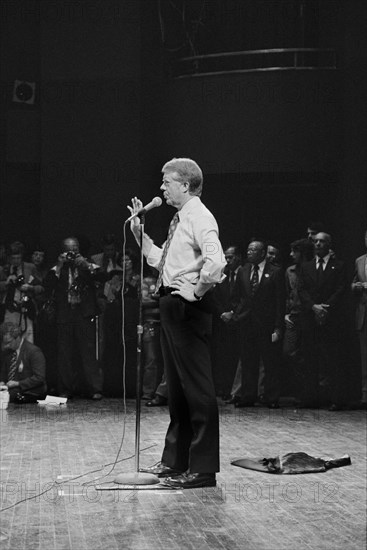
74,296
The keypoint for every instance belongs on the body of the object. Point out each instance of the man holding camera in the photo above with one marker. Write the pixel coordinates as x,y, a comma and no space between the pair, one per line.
19,285
72,280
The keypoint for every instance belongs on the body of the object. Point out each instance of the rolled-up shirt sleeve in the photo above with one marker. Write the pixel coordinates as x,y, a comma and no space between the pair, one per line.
206,235
195,252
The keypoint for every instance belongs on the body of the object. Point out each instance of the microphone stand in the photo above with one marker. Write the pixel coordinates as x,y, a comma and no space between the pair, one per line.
138,478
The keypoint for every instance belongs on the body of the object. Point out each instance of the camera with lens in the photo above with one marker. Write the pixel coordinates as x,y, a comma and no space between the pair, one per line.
70,256
26,305
19,281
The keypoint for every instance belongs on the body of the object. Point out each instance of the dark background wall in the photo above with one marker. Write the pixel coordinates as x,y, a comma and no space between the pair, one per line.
20,123
277,149
90,115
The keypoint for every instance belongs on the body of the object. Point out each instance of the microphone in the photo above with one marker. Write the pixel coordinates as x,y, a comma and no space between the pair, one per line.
157,201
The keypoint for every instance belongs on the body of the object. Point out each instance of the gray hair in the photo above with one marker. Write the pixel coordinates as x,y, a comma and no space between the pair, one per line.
189,171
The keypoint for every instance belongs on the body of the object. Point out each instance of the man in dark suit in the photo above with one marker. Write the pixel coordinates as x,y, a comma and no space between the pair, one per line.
72,280
225,337
23,367
322,285
259,304
359,288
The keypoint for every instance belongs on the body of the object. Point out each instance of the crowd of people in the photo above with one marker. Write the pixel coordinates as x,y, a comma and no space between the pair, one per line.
215,324
277,326
283,332
71,312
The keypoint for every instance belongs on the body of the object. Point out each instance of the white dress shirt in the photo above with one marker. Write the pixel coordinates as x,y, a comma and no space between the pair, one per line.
195,251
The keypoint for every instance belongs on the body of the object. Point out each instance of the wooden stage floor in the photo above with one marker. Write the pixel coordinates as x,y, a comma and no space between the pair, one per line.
45,450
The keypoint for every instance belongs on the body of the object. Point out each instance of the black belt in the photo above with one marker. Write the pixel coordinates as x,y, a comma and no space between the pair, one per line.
165,290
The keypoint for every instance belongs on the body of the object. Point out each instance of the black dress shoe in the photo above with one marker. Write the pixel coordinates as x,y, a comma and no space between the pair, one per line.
335,407
161,470
226,397
190,481
97,397
232,401
306,405
243,404
157,401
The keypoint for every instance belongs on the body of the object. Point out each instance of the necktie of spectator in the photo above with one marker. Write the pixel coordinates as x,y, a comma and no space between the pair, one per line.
254,279
320,269
12,366
171,230
231,281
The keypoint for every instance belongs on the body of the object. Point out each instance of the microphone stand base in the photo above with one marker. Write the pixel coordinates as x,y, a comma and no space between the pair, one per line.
136,478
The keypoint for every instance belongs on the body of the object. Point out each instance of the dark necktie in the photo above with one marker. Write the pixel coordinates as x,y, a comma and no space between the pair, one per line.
231,281
254,279
171,230
12,366
320,269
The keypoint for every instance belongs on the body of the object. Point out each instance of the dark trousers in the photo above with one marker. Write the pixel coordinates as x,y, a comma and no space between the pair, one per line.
256,344
162,388
293,356
321,348
153,361
80,332
192,439
225,355
363,347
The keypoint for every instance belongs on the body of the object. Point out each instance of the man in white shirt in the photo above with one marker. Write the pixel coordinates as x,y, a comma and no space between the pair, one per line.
189,264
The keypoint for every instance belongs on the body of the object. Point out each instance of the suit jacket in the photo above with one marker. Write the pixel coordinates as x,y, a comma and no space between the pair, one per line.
222,296
88,305
31,369
330,290
26,268
266,308
360,276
